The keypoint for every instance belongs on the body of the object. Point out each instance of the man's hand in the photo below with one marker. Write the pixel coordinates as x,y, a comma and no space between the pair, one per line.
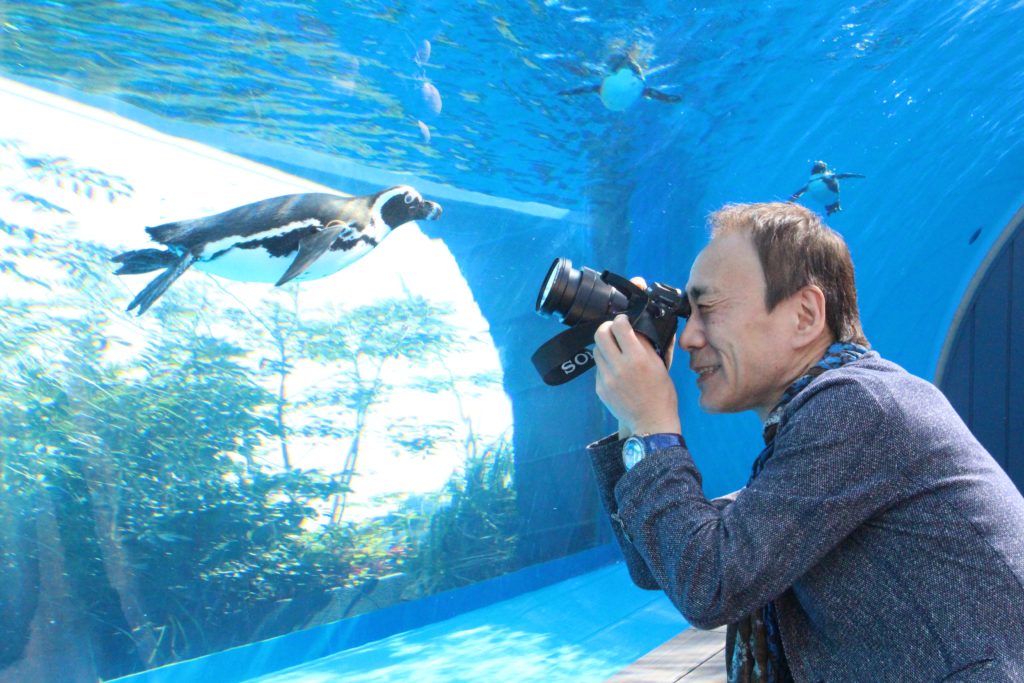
633,381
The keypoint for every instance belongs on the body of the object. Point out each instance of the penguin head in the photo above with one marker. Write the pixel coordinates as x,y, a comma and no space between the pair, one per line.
625,62
819,167
400,204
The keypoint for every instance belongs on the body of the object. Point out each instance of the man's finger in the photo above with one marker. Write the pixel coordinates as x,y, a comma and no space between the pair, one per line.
605,337
627,338
598,352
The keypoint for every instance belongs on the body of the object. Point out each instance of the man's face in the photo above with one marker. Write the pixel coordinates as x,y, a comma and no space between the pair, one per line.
740,351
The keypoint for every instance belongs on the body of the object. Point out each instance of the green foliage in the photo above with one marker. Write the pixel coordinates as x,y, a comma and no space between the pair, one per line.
473,536
372,548
213,544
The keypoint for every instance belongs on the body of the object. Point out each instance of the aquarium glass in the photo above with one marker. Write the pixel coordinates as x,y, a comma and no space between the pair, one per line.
236,458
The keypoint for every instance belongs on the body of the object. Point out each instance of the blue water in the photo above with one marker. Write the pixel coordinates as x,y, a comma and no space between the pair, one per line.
773,83
925,99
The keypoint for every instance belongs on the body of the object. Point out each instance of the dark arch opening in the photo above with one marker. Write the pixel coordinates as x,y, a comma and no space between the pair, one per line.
981,369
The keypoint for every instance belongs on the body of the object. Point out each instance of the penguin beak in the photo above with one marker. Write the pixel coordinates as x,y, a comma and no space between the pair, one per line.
433,211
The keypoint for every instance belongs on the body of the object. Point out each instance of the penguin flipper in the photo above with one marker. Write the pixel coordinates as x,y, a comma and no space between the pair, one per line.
799,193
312,247
832,208
652,94
160,283
661,67
849,175
144,261
585,90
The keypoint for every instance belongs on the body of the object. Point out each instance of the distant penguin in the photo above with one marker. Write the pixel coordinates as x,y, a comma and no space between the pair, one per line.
623,85
295,237
823,186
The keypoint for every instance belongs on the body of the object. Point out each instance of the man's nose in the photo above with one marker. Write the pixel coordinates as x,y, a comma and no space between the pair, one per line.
692,336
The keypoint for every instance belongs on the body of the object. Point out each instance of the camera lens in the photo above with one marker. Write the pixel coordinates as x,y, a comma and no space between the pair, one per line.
577,295
556,282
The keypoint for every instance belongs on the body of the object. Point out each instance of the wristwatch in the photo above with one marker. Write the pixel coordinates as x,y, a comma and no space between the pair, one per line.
639,446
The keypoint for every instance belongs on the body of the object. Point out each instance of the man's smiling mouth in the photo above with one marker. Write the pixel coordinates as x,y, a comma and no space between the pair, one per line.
705,371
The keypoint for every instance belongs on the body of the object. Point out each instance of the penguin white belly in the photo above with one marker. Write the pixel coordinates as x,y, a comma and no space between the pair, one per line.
620,90
256,265
820,192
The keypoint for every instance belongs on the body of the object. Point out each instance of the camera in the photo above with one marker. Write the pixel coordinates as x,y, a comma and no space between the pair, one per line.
583,299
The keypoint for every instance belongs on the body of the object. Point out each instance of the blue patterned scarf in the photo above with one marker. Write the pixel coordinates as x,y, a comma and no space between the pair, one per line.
754,645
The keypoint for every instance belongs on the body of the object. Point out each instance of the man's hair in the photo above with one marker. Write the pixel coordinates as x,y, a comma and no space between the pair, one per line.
796,249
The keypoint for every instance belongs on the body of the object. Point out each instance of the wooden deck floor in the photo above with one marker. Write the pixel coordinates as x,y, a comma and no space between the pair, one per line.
694,656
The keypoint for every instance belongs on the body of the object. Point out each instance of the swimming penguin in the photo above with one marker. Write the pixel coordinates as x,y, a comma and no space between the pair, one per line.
295,237
823,186
623,85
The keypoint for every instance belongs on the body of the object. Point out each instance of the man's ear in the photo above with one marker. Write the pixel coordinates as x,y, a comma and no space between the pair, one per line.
809,307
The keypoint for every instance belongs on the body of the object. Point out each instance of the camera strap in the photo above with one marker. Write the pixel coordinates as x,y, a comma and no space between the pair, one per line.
567,354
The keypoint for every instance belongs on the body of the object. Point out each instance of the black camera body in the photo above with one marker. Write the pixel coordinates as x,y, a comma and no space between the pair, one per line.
583,299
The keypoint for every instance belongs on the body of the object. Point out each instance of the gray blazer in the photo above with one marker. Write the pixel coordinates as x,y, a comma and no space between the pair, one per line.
890,540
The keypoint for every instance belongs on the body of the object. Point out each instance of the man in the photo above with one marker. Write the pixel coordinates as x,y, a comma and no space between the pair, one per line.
876,540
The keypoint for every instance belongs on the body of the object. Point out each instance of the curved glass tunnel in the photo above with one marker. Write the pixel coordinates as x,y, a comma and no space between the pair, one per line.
365,469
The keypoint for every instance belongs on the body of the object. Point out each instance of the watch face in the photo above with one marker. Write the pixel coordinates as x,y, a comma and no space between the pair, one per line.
632,452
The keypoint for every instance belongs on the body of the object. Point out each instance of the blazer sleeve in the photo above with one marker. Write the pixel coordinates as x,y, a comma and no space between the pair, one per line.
831,470
606,460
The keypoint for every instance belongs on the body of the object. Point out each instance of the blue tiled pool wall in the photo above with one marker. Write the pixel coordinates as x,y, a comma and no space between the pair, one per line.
257,659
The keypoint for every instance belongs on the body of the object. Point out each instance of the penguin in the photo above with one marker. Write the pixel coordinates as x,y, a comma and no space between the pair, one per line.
623,85
823,186
294,237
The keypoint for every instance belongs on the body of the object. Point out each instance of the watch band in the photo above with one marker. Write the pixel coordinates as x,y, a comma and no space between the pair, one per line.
639,446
